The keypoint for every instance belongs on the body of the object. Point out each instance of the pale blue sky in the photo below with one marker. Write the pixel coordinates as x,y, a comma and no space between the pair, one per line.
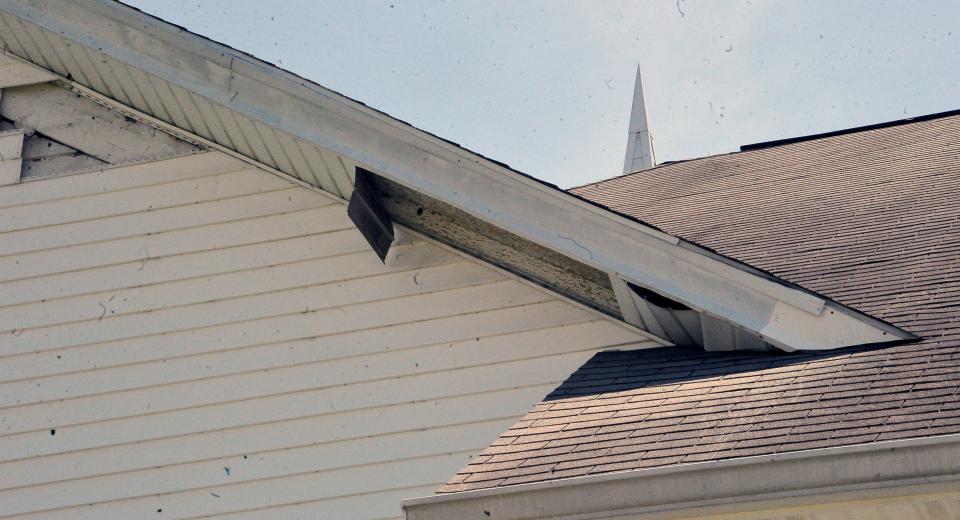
545,86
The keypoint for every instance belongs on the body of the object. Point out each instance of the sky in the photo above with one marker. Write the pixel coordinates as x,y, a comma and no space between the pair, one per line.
546,86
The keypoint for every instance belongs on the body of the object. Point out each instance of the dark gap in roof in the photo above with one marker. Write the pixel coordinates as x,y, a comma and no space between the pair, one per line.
898,122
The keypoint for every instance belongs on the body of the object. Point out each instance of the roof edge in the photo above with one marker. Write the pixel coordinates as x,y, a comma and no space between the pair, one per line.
624,247
857,472
844,131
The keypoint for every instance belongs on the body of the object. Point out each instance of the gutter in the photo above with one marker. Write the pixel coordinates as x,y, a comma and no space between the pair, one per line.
867,471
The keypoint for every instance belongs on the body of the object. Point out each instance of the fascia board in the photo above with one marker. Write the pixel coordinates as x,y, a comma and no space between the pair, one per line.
533,210
883,469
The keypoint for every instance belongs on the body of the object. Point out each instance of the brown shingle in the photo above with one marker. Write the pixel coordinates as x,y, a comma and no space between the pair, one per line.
870,219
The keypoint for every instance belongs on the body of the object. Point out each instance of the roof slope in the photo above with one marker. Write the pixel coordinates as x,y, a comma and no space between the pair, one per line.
869,219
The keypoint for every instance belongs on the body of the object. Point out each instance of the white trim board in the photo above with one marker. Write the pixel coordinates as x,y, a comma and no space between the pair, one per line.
256,93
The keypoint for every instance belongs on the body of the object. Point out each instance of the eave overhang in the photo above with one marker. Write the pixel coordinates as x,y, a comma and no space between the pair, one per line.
293,126
882,470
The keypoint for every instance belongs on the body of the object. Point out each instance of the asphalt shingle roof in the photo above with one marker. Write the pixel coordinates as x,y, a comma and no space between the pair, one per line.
870,219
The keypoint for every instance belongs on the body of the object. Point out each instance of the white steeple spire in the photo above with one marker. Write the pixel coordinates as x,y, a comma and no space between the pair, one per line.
639,141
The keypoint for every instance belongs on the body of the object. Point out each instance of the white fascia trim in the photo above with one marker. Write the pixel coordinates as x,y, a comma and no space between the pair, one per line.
784,315
883,469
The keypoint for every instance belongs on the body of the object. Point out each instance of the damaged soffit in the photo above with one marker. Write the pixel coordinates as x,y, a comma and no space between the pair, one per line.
300,129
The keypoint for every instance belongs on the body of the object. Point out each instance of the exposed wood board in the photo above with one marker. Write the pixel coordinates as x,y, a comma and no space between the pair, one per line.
11,149
84,125
15,73
474,236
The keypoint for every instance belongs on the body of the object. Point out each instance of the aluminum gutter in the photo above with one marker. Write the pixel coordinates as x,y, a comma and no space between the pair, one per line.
256,92
877,470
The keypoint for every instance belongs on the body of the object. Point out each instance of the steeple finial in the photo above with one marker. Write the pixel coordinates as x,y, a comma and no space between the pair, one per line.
639,141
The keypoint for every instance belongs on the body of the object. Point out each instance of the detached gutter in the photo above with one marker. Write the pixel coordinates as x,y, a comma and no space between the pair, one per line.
867,471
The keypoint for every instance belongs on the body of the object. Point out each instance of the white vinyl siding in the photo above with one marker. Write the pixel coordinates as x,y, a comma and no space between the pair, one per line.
194,337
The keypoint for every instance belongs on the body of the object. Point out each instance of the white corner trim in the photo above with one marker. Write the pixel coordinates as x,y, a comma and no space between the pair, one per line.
543,214
882,469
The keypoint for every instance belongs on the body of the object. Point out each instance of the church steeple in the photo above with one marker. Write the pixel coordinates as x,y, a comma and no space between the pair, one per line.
639,141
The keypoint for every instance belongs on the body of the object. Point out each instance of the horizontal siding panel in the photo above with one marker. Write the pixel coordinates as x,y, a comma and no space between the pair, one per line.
153,298
156,220
147,247
244,308
170,320
103,407
329,457
118,178
181,266
170,194
292,489
297,402
384,505
298,333
337,371
233,444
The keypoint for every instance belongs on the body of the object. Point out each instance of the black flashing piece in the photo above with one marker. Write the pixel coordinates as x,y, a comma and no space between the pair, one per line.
367,212
898,122
657,299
